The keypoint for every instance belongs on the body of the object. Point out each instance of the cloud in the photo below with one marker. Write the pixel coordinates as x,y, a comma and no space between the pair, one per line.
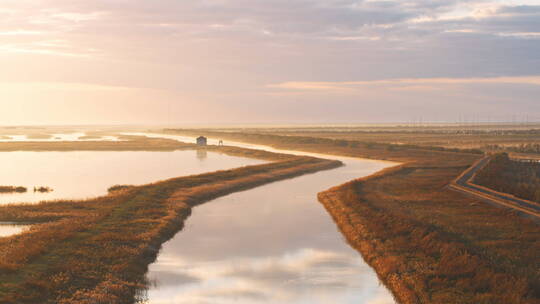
419,83
224,52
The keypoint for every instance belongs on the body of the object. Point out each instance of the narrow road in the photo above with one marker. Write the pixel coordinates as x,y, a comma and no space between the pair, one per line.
464,184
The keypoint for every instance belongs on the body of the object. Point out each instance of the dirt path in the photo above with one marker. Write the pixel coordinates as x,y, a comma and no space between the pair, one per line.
465,185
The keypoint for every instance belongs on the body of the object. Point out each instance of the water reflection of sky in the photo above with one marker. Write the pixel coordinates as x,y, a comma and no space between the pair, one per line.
81,174
271,244
77,136
8,229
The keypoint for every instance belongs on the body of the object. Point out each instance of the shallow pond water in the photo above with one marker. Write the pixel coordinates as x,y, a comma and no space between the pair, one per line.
9,229
83,174
77,136
271,244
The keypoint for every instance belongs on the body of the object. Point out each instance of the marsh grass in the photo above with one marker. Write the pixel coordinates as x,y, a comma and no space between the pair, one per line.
98,250
492,138
119,188
43,189
428,244
431,245
521,179
12,189
128,143
352,148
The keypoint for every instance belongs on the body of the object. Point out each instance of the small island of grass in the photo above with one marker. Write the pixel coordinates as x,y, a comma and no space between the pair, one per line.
12,189
42,189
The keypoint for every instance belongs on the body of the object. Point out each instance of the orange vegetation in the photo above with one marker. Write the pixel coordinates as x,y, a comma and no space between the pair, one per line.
427,243
519,178
97,250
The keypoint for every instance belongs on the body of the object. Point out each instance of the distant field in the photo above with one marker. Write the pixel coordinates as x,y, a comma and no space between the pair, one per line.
10,189
512,138
521,179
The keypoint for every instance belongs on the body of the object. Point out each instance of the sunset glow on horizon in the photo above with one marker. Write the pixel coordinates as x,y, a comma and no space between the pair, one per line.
305,61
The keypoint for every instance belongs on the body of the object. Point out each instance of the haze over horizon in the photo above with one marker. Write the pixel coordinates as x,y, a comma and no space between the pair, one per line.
305,61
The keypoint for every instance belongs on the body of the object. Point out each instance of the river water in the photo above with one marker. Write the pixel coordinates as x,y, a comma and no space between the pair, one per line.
271,244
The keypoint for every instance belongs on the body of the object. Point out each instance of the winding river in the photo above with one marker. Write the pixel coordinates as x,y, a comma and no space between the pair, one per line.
271,244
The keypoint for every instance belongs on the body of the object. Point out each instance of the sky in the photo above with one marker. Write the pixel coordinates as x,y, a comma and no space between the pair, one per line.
268,61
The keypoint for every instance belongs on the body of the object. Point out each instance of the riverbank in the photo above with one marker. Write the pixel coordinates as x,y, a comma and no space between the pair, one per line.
95,250
135,143
428,244
518,178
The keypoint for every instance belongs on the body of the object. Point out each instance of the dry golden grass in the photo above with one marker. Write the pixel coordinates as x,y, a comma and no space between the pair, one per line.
97,251
12,189
521,179
442,136
372,150
432,245
427,243
131,143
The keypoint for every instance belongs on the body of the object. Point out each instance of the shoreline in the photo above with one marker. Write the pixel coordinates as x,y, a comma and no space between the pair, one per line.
455,258
77,257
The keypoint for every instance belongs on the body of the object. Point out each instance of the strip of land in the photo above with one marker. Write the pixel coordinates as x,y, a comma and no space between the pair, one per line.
98,250
428,244
12,189
130,143
464,184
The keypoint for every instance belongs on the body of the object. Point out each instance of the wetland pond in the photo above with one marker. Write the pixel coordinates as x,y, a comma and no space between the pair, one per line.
272,244
76,136
84,174
8,229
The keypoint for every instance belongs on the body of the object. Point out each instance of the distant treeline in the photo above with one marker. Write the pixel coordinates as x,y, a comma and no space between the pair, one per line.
522,148
502,174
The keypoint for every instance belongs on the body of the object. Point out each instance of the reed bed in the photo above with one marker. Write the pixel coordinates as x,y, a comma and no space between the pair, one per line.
519,178
12,189
428,244
98,250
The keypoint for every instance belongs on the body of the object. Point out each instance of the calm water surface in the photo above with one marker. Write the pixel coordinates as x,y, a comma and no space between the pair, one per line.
271,244
83,174
76,136
8,229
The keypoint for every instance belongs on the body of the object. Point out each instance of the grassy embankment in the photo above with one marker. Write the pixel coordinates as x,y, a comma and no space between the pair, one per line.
427,243
97,250
129,143
521,179
135,143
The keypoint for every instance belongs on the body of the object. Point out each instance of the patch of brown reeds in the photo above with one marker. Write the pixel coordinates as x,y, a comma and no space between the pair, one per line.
12,189
97,250
432,245
519,178
428,244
